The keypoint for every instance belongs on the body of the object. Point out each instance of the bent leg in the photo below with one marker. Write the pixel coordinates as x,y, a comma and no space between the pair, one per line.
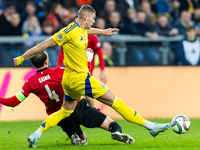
111,125
70,127
56,117
117,104
106,124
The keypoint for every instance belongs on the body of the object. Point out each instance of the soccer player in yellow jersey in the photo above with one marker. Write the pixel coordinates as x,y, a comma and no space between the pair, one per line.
77,80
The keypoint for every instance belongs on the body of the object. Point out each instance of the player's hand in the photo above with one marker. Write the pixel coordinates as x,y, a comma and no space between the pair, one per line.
103,77
18,60
110,31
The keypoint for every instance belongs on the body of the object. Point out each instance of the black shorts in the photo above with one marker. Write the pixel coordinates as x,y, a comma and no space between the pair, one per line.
83,115
87,116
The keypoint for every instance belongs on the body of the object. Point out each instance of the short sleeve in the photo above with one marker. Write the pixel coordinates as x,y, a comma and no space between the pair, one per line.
26,89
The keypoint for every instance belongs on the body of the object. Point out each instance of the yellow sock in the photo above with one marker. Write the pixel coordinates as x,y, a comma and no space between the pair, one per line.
55,118
127,113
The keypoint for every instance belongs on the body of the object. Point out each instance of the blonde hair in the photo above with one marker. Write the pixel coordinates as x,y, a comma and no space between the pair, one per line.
85,9
37,27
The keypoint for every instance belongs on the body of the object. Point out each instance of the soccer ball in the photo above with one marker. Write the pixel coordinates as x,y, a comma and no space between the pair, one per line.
180,124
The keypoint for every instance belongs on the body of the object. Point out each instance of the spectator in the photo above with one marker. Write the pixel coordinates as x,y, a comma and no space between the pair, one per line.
48,29
175,13
106,46
98,5
54,16
196,16
141,53
5,17
141,28
150,16
115,21
107,54
31,27
65,19
124,5
189,48
196,19
162,8
183,22
12,49
163,28
30,9
132,15
188,5
65,3
100,23
14,28
110,6
130,19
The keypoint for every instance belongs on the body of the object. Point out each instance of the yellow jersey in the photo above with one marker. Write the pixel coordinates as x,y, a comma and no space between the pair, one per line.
74,41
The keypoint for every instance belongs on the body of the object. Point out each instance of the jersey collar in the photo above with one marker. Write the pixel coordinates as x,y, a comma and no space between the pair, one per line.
42,69
77,24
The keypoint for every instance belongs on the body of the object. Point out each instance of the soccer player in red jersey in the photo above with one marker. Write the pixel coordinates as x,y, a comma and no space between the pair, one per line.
46,84
95,45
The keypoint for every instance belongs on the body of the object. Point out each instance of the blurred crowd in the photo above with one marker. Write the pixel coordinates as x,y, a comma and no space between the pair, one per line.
150,18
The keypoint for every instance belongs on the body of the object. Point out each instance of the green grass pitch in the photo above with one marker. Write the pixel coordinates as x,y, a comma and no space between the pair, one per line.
13,135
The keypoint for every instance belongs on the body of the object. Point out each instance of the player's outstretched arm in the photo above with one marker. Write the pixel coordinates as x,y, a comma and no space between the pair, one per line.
11,101
95,31
36,49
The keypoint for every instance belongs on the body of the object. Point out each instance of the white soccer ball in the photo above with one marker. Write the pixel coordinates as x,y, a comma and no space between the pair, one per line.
180,124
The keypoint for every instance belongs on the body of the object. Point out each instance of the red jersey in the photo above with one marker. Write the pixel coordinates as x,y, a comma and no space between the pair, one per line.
95,45
46,84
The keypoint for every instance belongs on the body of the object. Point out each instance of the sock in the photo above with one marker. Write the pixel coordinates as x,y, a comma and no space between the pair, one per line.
149,125
115,127
38,132
55,118
127,113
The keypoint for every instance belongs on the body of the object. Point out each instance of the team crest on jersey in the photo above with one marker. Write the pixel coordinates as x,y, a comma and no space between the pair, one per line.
81,39
59,36
103,86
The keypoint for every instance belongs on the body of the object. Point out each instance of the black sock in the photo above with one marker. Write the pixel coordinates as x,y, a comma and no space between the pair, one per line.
115,127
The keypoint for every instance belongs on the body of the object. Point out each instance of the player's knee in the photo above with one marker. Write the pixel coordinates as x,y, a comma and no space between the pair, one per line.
115,127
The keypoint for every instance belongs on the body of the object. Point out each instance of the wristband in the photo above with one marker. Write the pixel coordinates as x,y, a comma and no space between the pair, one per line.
20,60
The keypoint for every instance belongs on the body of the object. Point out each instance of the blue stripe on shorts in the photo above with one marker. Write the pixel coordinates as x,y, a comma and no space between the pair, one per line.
67,98
88,88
